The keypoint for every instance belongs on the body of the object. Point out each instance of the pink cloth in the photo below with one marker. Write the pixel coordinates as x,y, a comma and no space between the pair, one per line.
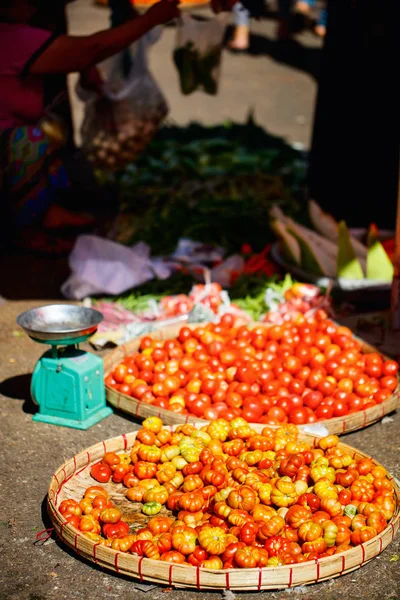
21,99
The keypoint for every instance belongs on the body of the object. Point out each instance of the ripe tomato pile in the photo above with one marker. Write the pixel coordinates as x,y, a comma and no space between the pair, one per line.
236,498
297,372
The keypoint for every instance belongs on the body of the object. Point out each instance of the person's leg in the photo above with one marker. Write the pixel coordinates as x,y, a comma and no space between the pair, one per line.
284,10
240,40
320,27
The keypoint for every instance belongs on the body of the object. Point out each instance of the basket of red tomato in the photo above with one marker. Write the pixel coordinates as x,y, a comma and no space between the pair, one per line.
304,372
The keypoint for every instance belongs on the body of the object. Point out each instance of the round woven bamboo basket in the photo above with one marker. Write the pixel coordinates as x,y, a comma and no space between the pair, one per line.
139,409
73,477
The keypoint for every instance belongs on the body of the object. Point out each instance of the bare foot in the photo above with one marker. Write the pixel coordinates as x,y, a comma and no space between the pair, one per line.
320,31
240,40
302,7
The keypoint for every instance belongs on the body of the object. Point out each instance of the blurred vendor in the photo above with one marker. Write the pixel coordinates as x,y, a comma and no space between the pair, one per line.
32,172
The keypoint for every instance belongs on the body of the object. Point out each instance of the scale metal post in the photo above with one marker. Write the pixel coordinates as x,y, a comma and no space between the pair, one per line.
67,382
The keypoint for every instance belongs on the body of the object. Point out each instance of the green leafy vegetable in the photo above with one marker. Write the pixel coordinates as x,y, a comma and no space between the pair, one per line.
213,184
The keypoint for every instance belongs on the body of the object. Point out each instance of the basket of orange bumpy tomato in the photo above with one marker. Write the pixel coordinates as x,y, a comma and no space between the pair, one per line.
307,371
225,505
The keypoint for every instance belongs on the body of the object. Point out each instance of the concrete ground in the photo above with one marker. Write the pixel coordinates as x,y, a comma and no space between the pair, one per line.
280,87
277,83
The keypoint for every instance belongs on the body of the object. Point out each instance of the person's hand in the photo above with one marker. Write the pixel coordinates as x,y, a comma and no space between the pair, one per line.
222,5
164,11
91,79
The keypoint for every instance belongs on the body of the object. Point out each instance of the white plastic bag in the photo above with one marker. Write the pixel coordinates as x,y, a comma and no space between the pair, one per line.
100,266
198,52
119,125
227,271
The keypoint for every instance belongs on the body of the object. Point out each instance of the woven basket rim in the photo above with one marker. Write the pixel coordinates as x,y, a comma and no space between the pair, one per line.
72,467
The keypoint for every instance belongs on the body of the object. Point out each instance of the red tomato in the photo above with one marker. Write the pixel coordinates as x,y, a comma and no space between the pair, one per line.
312,399
326,387
382,395
210,413
227,321
340,408
296,386
101,472
315,378
299,416
324,412
109,380
137,391
234,400
124,388
119,373
294,401
283,403
389,382
252,414
230,413
390,367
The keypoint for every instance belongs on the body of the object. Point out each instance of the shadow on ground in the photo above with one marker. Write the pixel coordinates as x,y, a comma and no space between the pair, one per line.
292,53
19,388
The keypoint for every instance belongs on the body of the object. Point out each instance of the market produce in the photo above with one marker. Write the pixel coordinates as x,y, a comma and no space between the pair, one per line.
326,225
135,307
120,135
291,246
348,265
298,299
225,496
252,297
332,250
211,184
379,264
120,121
300,371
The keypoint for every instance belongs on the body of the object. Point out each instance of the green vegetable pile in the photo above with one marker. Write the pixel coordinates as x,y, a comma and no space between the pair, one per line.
211,184
249,293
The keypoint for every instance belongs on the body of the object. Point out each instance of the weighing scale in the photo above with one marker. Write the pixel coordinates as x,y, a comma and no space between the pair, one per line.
67,382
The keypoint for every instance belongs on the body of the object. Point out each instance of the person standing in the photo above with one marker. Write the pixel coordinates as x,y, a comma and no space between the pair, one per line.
32,163
241,34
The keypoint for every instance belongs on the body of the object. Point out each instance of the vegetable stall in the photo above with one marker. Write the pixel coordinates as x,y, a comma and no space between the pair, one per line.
249,487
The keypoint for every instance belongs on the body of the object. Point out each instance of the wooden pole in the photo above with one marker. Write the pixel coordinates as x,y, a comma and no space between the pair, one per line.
395,300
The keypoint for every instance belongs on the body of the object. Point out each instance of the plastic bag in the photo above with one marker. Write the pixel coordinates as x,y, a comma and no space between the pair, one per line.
119,125
226,273
100,266
198,51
